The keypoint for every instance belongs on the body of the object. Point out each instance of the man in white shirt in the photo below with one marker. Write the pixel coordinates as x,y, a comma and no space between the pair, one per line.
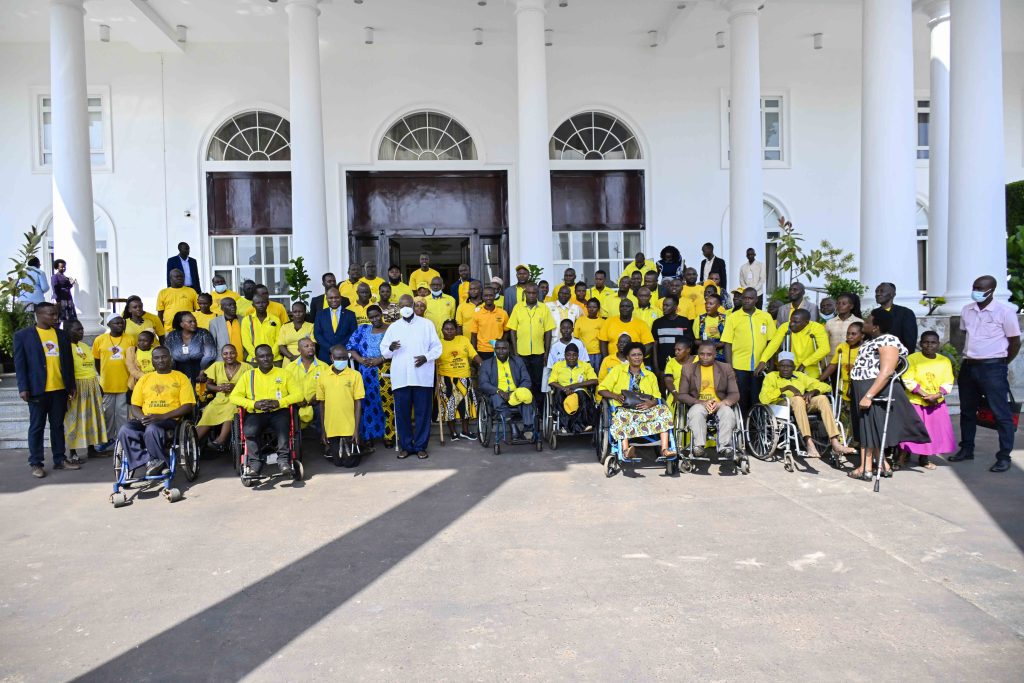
412,345
563,308
752,275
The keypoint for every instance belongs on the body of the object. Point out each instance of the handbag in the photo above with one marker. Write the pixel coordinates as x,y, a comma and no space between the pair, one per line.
633,399
987,419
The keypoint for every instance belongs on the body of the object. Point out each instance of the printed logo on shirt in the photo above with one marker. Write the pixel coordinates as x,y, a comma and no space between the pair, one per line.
115,353
50,349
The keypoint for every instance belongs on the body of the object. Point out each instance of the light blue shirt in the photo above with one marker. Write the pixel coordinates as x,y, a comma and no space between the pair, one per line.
35,279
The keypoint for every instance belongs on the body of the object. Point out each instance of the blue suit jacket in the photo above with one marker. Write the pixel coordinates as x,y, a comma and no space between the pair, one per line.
326,337
30,362
175,262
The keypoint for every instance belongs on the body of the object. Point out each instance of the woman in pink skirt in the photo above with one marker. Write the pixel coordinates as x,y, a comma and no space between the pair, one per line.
928,380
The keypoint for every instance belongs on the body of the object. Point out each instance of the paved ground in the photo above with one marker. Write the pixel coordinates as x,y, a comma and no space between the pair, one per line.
521,566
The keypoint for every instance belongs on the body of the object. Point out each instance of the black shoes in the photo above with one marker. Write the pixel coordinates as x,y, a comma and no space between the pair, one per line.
961,455
67,465
1001,465
38,472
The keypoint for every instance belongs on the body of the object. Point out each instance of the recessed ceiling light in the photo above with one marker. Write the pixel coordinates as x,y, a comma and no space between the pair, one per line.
563,3
478,36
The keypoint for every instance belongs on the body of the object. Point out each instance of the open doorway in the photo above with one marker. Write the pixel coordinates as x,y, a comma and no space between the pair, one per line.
446,253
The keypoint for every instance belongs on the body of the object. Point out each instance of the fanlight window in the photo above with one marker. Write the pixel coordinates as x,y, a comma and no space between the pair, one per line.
427,136
596,136
252,136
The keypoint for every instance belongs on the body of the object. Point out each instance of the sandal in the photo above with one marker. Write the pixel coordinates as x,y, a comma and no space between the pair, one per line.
668,453
929,466
422,455
859,475
403,455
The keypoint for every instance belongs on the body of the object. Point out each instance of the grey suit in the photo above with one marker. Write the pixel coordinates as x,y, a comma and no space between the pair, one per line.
219,330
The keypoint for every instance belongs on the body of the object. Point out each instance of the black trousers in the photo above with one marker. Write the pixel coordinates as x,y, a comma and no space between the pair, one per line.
50,406
255,424
990,380
750,388
535,368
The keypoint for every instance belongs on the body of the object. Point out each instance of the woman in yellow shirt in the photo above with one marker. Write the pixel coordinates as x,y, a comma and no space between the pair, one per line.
220,381
139,358
83,423
455,394
136,319
929,378
646,418
291,332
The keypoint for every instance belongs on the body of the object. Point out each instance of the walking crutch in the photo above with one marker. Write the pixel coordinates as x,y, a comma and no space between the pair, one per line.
901,367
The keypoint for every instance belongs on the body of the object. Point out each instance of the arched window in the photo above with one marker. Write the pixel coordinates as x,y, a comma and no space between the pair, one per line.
921,230
593,135
105,253
427,136
252,136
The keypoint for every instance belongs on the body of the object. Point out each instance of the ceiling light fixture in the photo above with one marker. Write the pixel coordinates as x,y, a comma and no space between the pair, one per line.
478,36
548,33
104,33
182,32
368,35
482,3
720,40
563,3
653,35
358,2
681,5
818,41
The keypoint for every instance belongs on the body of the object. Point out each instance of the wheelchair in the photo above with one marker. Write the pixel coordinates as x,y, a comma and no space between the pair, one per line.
183,451
740,461
771,427
494,425
266,447
609,451
442,424
551,421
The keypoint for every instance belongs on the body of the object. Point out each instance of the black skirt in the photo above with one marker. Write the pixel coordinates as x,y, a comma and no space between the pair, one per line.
904,423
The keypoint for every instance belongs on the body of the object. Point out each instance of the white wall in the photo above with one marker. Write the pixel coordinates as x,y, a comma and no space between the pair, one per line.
167,106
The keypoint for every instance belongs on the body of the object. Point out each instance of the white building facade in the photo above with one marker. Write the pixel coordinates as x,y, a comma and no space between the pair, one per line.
575,134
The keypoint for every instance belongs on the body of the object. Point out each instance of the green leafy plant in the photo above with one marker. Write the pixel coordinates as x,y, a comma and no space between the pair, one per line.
297,279
835,286
826,260
1014,206
535,272
932,302
13,316
780,294
950,352
1015,266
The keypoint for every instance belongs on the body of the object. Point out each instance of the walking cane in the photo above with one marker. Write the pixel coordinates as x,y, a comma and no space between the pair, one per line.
897,373
837,391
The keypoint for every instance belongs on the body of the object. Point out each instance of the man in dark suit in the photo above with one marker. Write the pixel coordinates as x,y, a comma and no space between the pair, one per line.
508,392
904,322
333,325
712,264
187,265
46,381
319,301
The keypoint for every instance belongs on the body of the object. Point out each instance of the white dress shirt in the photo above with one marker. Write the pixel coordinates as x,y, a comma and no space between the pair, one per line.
752,275
569,311
186,271
418,337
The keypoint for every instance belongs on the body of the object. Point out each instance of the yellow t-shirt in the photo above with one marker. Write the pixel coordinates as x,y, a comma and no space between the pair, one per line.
85,367
505,381
360,312
609,301
637,330
609,363
111,354
844,357
255,333
707,383
588,331
932,375
691,301
488,325
149,322
347,289
51,351
647,267
420,278
455,357
158,393
749,335
289,337
144,359
171,300
227,294
339,392
203,319
531,325
375,284
397,290
278,310
257,385
562,374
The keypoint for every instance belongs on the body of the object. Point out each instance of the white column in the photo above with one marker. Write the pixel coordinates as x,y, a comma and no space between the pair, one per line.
530,240
74,233
309,194
888,240
746,192
977,210
938,145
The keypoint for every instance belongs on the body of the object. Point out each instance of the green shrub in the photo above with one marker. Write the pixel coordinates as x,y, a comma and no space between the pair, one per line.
841,285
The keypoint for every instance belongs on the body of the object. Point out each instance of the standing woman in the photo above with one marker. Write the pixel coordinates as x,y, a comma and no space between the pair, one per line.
192,348
869,381
136,319
378,419
291,332
62,285
218,413
84,427
387,307
455,394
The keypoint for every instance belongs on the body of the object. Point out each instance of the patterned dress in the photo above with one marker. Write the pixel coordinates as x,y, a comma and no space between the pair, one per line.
378,419
83,423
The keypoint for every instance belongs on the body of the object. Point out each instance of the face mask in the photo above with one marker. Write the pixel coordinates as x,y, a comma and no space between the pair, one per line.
220,289
405,312
827,316
436,295
341,364
979,296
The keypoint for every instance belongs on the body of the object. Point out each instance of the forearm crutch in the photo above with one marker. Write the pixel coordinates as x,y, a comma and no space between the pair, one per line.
897,373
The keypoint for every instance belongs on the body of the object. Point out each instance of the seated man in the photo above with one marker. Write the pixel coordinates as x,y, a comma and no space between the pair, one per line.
709,388
557,351
805,394
574,381
505,382
265,393
159,400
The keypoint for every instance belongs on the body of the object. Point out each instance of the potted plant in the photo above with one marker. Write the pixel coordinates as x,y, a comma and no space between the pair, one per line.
297,279
13,316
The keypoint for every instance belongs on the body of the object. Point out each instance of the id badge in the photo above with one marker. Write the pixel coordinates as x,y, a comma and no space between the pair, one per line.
184,349
277,394
764,329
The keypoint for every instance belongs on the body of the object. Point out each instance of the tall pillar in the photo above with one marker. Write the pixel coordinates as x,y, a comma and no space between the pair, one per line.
977,209
531,241
746,191
74,232
309,187
938,145
887,199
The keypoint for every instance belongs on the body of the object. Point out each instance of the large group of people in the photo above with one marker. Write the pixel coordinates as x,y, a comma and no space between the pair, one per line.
374,359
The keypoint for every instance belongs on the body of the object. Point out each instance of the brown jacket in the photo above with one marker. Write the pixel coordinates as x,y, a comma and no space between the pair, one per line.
725,384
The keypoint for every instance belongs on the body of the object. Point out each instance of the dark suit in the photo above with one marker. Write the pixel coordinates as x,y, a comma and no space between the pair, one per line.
326,336
193,271
43,406
317,305
487,383
904,326
716,265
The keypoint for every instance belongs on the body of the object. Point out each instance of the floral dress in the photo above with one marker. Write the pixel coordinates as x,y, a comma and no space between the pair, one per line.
378,419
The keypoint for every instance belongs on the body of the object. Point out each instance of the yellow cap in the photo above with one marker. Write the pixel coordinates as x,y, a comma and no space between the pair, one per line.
520,396
571,403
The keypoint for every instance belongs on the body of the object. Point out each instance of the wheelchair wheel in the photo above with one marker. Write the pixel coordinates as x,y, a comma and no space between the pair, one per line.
483,425
745,466
762,433
118,460
237,448
611,466
172,495
188,450
820,438
296,442
297,472
540,446
119,500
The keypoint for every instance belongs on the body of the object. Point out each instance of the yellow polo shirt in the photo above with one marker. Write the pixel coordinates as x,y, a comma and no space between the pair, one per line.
203,319
421,278
609,301
347,289
562,374
51,352
278,311
810,346
588,331
159,393
649,314
149,322
531,325
111,353
255,333
489,326
465,312
691,301
749,335
307,377
172,300
339,392
256,385
647,267
439,310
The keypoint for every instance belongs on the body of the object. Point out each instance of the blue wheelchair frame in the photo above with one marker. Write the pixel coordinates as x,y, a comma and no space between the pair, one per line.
182,431
610,450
